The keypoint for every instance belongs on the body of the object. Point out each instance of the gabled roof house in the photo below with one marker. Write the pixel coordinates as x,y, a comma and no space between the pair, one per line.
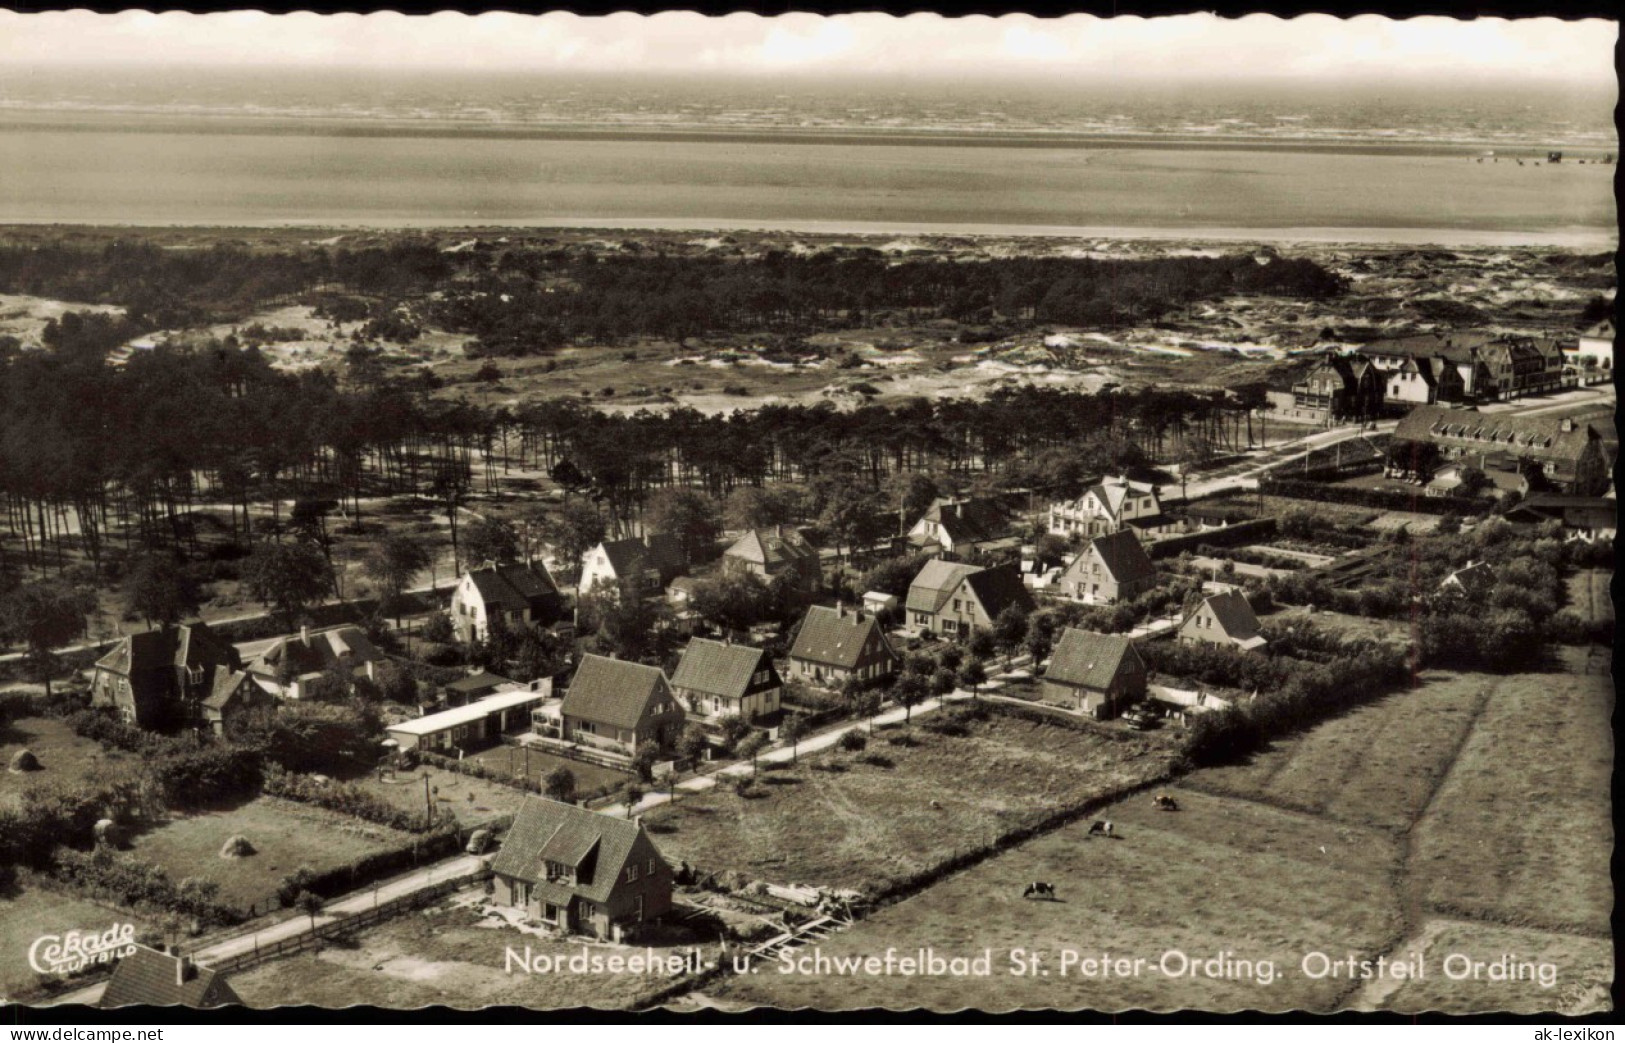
716,679
619,707
582,872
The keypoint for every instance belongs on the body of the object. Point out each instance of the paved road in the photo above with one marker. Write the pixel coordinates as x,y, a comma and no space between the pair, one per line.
357,902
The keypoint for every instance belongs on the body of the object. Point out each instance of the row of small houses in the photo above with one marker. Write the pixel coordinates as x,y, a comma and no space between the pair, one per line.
1394,374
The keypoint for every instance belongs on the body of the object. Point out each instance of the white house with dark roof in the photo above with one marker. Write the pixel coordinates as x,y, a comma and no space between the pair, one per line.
619,707
646,565
517,597
836,645
717,679
1108,569
1226,618
1109,506
1097,674
580,871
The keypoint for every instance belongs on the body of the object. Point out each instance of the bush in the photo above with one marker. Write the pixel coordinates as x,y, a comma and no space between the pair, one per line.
342,797
103,876
853,741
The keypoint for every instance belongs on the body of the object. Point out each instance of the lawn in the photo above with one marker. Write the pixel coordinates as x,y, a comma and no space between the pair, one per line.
27,913
589,777
1376,765
1219,875
1345,625
1521,831
449,954
449,792
66,759
286,835
835,820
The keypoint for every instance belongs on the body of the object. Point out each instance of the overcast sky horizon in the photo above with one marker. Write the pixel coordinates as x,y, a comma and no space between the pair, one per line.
1076,49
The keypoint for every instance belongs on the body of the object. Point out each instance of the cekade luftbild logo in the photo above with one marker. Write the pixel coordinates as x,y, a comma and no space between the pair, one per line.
77,950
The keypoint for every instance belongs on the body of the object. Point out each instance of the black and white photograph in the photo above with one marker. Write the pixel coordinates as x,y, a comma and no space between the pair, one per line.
827,512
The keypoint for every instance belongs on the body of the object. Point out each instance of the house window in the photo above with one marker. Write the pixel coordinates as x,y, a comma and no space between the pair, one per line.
651,867
637,907
632,873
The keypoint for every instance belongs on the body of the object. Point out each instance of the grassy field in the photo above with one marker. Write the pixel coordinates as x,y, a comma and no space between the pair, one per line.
65,758
861,825
27,913
1521,831
450,954
1374,766
1588,594
1344,625
449,792
1467,815
1257,882
285,835
588,776
1583,969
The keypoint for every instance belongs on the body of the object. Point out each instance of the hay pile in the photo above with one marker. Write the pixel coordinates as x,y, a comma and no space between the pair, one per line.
237,847
24,760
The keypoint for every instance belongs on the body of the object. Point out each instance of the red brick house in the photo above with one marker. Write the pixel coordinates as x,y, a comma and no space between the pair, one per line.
582,872
835,645
619,707
1099,674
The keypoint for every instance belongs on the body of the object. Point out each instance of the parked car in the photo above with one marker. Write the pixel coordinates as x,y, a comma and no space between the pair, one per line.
479,842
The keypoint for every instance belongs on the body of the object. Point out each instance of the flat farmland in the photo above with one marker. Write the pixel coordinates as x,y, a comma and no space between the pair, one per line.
864,825
1521,831
1219,875
1582,972
449,955
65,758
1376,765
285,835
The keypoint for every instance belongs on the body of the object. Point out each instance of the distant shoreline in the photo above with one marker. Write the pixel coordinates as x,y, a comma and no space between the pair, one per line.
77,121
1579,240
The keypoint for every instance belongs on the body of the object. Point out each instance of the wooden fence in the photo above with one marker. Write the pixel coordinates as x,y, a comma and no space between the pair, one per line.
343,924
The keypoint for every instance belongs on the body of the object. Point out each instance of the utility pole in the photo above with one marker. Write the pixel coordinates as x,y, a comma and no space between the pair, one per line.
428,806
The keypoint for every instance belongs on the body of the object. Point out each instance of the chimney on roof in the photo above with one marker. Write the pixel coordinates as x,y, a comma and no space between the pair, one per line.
304,634
185,971
637,820
1567,424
